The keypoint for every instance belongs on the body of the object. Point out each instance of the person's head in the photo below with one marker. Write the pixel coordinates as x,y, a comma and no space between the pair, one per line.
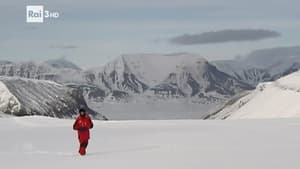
82,112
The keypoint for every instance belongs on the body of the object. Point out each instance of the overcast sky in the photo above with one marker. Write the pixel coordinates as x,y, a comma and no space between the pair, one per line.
92,32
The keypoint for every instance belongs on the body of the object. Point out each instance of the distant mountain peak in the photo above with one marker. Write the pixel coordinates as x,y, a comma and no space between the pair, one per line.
62,63
4,62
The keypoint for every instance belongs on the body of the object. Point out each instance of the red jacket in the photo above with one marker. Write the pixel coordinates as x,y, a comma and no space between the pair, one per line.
82,125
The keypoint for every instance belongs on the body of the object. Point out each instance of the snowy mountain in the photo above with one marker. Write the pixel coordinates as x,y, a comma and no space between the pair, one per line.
176,86
133,85
20,96
197,77
262,65
270,100
62,63
171,75
26,70
59,70
275,60
177,82
244,72
134,73
117,76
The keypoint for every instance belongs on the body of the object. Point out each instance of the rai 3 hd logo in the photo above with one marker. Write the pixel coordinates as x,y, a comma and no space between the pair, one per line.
38,14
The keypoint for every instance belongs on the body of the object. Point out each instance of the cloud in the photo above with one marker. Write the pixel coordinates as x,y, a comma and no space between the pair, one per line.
227,35
64,47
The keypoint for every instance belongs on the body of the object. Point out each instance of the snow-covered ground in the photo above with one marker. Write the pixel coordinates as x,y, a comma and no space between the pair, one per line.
270,100
41,142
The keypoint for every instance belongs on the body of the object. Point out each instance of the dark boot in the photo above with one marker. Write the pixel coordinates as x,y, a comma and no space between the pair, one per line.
82,149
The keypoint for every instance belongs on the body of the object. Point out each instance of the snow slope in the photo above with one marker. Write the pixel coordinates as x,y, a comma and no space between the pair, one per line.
40,142
278,99
21,96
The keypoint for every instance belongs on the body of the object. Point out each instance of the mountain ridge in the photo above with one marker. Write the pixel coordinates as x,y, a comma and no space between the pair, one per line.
278,99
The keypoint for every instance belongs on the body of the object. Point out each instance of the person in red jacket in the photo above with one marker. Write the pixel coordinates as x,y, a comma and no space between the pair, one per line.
83,124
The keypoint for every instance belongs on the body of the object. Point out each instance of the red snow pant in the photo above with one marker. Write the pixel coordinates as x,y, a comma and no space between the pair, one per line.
83,137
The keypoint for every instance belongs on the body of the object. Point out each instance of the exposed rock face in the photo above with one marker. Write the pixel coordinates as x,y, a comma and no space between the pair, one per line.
40,97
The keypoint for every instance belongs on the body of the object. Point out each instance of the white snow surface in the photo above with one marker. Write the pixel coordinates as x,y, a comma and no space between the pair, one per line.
278,99
41,142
